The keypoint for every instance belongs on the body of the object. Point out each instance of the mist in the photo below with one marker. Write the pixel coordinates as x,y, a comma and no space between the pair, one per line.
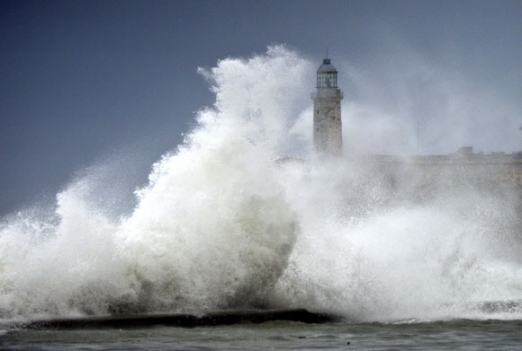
225,222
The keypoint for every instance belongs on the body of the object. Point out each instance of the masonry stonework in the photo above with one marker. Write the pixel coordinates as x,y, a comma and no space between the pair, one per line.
328,139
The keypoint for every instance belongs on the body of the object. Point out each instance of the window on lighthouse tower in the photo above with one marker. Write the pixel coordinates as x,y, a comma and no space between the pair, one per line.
327,80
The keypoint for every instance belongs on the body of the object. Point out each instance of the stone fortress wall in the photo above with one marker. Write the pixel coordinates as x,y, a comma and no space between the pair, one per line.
498,168
426,177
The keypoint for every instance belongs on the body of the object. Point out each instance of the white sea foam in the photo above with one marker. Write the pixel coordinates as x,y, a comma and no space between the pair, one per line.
221,224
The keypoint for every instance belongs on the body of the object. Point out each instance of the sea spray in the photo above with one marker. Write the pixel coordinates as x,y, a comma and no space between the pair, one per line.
225,222
371,250
213,229
63,270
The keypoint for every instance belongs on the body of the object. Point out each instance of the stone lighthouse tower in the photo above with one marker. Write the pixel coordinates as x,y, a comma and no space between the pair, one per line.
328,137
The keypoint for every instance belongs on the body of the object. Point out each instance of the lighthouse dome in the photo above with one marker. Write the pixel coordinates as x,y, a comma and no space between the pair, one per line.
327,75
326,67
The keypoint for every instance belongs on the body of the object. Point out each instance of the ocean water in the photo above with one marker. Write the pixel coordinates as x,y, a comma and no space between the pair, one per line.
225,223
452,335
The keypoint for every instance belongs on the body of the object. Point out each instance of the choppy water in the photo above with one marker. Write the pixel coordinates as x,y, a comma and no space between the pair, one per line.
449,335
223,224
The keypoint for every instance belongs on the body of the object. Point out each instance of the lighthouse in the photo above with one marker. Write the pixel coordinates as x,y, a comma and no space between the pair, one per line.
328,137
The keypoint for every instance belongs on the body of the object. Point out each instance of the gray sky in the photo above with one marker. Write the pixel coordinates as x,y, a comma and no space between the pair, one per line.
83,82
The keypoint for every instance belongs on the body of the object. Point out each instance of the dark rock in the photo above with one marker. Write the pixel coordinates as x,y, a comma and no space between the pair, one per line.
178,320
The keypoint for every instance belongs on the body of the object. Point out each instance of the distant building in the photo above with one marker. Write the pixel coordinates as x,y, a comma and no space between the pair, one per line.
328,137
